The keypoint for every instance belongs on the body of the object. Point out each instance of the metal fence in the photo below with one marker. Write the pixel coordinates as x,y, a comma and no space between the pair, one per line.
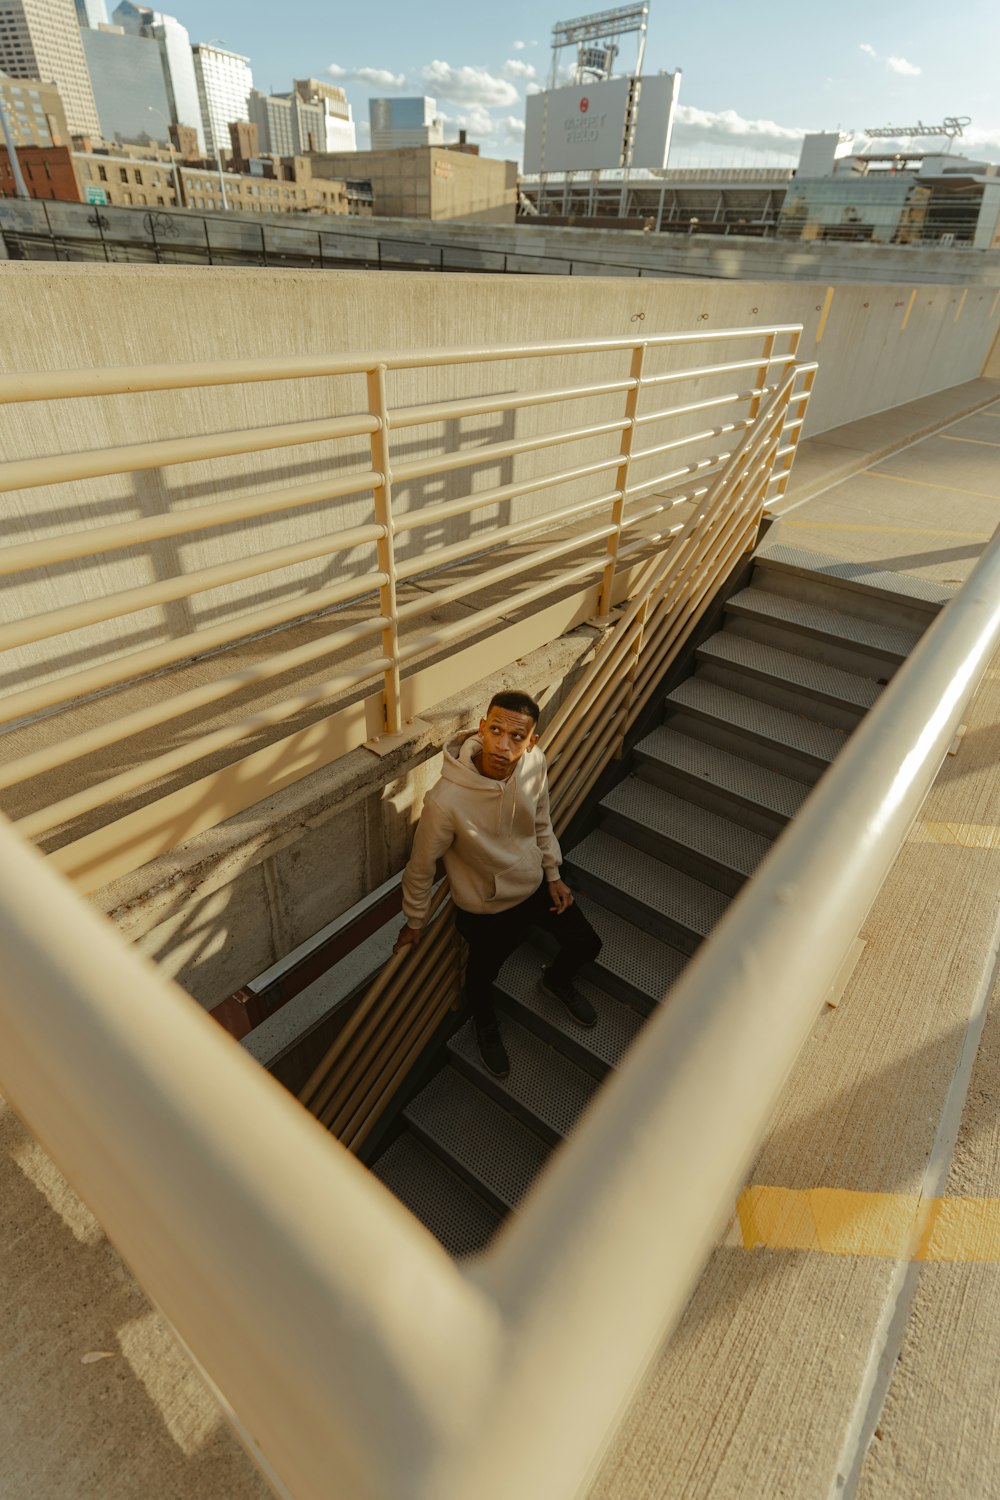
39,230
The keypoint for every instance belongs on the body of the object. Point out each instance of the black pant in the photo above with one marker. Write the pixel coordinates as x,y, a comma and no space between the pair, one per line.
493,936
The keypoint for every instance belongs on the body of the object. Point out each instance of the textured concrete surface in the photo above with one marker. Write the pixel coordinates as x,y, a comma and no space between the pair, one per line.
939,1431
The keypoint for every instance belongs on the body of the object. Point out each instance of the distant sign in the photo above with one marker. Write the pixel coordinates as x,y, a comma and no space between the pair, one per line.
94,194
583,128
576,129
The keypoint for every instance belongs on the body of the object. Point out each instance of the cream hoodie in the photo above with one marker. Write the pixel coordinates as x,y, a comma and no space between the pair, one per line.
495,836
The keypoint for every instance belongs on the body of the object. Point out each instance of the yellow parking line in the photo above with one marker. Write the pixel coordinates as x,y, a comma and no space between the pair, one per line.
980,442
894,1226
926,484
963,835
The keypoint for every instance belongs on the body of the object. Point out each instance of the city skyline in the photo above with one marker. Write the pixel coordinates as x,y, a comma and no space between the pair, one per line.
746,103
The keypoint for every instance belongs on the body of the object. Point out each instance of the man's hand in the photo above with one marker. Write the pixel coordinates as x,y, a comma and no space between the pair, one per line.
562,896
409,937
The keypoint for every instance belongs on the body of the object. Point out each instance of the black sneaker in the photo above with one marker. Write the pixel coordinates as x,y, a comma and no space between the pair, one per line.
491,1048
578,1005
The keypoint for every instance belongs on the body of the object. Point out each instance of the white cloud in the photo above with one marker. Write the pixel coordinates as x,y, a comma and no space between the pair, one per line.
513,124
468,85
900,65
475,119
519,46
378,78
864,47
727,125
515,68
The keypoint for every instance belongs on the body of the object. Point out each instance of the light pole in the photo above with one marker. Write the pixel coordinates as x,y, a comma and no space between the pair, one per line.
170,146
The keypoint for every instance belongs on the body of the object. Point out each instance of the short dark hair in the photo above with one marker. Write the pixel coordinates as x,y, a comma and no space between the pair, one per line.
515,703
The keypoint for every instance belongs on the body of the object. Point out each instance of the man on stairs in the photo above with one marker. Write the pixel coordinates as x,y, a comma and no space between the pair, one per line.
488,817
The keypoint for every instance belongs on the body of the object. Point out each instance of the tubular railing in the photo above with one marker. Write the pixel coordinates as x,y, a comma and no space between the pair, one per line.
659,427
347,1343
357,1078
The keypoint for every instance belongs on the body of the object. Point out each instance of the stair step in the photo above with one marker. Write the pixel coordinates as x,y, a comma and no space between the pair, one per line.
728,783
870,593
633,964
680,909
836,627
710,847
545,1090
442,1202
790,743
784,679
478,1138
595,1048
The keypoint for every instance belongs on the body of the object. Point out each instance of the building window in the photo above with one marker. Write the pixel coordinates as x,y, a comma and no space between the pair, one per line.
102,174
123,173
159,197
138,176
127,197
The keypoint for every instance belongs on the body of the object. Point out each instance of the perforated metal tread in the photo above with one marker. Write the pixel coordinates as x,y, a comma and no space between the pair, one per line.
481,1138
744,779
546,1090
816,744
632,961
758,660
642,878
854,575
442,1202
715,838
605,1044
829,624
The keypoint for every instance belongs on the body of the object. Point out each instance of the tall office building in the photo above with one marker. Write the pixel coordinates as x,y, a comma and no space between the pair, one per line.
288,125
224,84
92,13
41,39
404,122
175,58
339,121
130,90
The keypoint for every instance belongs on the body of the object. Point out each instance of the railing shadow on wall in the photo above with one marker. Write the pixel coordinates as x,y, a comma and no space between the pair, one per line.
595,453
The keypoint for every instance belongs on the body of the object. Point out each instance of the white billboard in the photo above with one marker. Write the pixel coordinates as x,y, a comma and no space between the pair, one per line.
584,128
654,119
578,129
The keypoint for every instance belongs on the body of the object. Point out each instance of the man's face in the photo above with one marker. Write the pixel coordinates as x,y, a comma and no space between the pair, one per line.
505,736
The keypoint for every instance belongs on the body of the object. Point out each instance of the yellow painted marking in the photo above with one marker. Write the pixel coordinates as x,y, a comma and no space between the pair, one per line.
883,530
962,835
927,484
894,1226
827,304
909,309
961,304
950,437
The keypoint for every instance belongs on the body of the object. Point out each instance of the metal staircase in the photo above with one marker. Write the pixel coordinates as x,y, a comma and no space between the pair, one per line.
804,653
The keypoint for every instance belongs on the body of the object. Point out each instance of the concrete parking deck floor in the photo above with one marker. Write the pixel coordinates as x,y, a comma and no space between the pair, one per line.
780,1372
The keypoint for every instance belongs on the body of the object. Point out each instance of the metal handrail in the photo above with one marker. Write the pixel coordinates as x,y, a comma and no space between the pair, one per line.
611,530
347,1342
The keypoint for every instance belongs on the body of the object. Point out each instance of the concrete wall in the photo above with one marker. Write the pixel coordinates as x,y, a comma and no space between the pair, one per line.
623,252
876,351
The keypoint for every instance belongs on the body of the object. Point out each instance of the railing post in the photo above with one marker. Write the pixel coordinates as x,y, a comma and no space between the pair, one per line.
378,406
761,377
621,481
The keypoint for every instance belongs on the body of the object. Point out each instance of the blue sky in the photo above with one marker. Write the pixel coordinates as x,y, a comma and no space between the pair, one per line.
755,76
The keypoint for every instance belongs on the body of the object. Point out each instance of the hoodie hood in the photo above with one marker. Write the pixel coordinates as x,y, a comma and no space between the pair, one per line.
459,766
